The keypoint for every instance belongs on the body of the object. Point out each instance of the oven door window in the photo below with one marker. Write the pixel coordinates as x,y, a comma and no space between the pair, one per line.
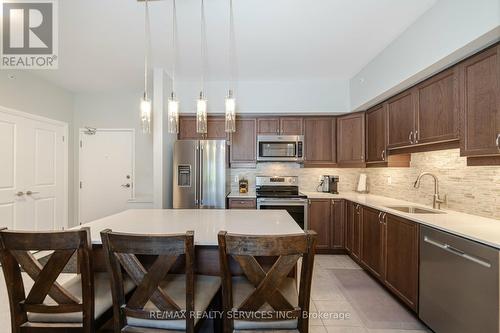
277,149
297,212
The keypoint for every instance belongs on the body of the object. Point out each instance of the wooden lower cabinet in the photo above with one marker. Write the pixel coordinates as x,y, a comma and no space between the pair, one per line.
244,203
401,258
372,237
386,246
353,228
319,221
326,217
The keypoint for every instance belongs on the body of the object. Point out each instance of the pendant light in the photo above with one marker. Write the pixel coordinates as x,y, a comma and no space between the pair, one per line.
230,101
146,101
201,104
173,102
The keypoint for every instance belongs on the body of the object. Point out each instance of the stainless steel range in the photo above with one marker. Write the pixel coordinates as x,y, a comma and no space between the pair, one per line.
282,193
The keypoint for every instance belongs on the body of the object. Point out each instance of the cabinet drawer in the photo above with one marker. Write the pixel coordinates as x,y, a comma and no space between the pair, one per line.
242,204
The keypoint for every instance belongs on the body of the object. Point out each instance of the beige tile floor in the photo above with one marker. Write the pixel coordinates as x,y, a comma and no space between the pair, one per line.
326,295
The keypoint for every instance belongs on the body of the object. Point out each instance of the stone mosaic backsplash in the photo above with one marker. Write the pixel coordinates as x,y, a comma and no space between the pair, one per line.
472,190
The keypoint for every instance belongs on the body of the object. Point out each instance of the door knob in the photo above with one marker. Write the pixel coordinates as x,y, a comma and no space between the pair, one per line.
126,185
31,192
19,194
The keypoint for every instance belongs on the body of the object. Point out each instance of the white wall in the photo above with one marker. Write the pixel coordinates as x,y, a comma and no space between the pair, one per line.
117,110
27,92
446,33
307,96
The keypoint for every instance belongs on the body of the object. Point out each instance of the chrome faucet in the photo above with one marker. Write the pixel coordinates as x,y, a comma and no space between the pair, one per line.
436,204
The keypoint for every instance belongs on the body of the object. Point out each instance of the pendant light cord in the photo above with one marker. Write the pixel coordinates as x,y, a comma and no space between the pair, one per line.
203,45
147,31
232,55
174,43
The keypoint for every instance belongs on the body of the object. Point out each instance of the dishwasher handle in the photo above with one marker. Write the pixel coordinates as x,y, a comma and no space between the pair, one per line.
457,252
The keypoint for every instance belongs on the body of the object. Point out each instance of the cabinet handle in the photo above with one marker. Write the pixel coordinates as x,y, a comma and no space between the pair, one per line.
410,137
383,155
19,194
416,136
498,141
380,217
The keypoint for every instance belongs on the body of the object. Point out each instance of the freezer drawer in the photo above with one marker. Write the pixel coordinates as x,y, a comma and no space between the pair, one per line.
459,284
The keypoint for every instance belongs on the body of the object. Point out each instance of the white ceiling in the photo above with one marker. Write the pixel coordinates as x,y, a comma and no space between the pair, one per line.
102,41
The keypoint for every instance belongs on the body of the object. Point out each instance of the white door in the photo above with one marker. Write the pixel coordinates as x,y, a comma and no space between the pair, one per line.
33,172
106,172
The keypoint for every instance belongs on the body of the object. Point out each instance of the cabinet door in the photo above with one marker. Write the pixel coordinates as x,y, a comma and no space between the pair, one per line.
244,143
437,108
320,141
401,120
356,231
319,221
216,128
480,103
372,241
291,126
376,134
349,226
337,224
351,140
187,129
268,126
401,258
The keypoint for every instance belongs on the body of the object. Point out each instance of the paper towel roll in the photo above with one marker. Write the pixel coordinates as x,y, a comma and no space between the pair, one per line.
362,187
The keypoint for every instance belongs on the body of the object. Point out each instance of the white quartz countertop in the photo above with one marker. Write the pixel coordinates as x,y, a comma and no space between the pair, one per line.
238,195
473,227
206,223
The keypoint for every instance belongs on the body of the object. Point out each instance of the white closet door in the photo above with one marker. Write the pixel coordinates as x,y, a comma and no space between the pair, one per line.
33,172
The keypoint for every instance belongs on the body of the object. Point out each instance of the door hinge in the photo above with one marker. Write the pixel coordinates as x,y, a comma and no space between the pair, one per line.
63,138
81,145
81,184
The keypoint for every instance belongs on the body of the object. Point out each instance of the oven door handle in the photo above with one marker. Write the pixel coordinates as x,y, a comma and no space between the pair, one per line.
295,202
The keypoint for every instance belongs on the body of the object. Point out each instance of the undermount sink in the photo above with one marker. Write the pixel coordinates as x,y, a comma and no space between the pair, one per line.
415,210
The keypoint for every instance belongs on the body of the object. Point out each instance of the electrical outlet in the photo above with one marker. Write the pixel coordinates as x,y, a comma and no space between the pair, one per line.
236,179
389,180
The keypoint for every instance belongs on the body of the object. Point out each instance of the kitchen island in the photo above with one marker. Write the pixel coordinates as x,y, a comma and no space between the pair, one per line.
206,224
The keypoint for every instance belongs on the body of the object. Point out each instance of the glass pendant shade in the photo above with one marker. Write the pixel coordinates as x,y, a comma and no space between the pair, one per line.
201,114
230,113
173,114
146,114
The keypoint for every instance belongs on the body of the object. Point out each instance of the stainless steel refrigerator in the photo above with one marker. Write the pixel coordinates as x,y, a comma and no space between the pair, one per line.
200,174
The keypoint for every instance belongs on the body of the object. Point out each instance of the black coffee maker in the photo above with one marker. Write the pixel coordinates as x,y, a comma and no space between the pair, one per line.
334,182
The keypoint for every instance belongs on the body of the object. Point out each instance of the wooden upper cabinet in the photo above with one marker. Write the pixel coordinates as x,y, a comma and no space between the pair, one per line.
187,129
319,221
215,129
280,126
401,120
351,140
244,143
372,241
268,126
480,103
401,258
376,134
320,141
437,108
291,126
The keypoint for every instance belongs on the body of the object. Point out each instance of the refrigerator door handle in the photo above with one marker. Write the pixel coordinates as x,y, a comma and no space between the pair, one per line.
201,174
196,175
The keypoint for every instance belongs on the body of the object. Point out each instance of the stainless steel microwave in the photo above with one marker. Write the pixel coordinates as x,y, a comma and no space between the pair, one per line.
280,148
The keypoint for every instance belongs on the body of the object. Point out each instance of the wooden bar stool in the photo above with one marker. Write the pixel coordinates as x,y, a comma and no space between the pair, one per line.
49,305
162,302
266,300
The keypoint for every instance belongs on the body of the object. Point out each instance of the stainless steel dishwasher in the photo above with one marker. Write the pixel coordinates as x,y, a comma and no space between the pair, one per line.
459,285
